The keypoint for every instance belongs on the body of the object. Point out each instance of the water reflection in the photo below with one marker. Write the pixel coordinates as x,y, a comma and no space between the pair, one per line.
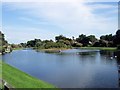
107,54
87,53
107,57
117,54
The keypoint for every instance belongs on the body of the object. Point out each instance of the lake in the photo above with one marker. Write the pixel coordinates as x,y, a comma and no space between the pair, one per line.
75,68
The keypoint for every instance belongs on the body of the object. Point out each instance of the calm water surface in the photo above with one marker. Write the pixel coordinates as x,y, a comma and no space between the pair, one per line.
75,68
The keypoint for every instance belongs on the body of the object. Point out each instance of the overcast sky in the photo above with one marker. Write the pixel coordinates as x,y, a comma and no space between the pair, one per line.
24,20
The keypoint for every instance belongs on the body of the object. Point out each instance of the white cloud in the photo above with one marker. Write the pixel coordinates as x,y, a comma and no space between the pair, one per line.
23,34
25,19
0,14
73,16
102,0
103,6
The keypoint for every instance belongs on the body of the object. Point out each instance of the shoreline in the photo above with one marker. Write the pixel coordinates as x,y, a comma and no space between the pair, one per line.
93,48
58,50
100,48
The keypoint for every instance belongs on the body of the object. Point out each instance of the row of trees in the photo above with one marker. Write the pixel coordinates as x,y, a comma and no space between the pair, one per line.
82,41
64,42
45,44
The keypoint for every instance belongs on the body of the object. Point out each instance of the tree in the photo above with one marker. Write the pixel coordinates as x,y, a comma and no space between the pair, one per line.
2,39
85,40
77,44
73,38
3,43
92,38
23,45
32,43
60,37
80,38
38,44
101,43
116,39
107,37
118,47
64,40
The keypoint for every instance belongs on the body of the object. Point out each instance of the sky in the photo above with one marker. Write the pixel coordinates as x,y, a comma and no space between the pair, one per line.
24,20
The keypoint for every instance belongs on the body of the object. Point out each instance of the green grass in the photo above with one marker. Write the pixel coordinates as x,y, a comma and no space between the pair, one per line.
17,48
19,79
0,74
100,48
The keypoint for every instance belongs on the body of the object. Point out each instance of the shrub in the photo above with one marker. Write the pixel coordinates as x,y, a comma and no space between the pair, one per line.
118,47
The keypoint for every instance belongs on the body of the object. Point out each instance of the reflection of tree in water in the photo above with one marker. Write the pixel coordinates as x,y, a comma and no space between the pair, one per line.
87,53
117,53
107,53
87,57
112,55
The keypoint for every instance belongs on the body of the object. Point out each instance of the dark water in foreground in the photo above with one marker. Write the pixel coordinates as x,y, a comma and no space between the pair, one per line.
76,68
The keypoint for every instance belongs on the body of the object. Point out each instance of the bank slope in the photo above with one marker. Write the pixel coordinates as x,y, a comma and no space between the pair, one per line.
19,79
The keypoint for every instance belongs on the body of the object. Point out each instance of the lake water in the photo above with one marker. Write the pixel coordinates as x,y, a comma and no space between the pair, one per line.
75,68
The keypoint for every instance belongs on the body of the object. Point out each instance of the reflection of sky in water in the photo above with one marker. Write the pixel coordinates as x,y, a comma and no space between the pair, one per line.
78,50
68,69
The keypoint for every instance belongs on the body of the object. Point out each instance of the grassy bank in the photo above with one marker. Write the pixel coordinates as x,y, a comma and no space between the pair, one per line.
100,48
19,79
0,74
55,50
17,48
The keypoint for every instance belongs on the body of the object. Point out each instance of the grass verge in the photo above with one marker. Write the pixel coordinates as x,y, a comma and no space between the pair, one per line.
19,79
0,74
17,48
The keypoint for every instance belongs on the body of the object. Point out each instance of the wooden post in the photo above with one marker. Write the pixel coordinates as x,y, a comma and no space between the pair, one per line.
7,86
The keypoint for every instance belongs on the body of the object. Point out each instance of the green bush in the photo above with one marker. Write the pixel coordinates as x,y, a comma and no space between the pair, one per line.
118,47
